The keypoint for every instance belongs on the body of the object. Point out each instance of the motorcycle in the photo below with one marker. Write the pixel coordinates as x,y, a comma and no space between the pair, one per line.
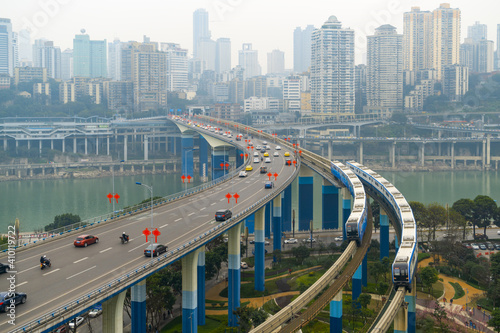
45,264
124,239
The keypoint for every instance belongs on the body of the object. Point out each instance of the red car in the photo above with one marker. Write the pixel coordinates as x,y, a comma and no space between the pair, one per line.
85,240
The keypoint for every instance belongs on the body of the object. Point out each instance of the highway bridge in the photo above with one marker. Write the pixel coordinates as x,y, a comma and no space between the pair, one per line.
102,272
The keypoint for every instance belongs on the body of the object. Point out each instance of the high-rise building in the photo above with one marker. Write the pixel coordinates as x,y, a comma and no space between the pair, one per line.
46,55
120,95
302,48
417,40
332,69
25,48
478,55
67,64
249,61
446,31
15,49
6,56
384,71
292,93
206,53
177,66
276,62
28,74
89,57
477,32
256,86
455,82
223,55
114,60
200,29
497,66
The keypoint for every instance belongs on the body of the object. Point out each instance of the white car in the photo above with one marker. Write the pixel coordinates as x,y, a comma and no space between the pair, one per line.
475,247
267,160
242,174
244,265
258,147
255,154
95,312
278,148
276,154
78,320
256,160
291,241
264,143
339,238
309,240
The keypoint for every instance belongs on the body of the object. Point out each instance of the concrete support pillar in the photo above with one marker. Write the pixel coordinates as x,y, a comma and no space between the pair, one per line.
422,154
201,286
346,209
40,147
146,147
125,148
401,320
384,234
189,292
138,307
203,156
361,152
63,146
330,199
31,173
483,155
5,145
336,313
187,144
259,249
112,314
393,154
29,144
488,150
51,144
43,171
97,146
277,232
107,146
357,281
234,266
218,157
411,299
330,150
453,155
86,146
364,272
306,198
286,208
74,145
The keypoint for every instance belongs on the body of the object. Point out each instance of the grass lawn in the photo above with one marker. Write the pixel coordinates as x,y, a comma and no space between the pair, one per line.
459,291
212,323
271,307
316,326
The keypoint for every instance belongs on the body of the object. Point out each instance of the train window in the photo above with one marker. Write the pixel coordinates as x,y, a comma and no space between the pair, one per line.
396,271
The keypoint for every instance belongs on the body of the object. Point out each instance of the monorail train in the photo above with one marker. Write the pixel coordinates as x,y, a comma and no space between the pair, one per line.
405,263
356,224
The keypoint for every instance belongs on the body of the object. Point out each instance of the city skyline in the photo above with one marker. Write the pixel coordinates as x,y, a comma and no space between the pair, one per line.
61,20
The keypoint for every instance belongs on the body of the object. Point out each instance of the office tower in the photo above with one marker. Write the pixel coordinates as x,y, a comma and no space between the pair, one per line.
292,93
332,69
302,48
114,60
477,32
206,53
15,49
256,86
89,57
6,57
276,62
223,55
25,48
46,55
67,64
200,29
177,66
249,61
384,74
417,40
446,31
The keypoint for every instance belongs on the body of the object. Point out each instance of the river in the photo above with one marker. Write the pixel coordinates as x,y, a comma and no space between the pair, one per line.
36,202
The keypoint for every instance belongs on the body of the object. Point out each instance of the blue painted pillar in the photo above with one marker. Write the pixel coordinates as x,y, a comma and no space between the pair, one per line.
346,209
239,158
112,314
396,242
277,224
201,286
364,277
306,198
286,208
336,313
330,199
410,298
234,265
269,210
190,292
203,156
401,320
356,283
250,224
259,249
138,307
384,234
187,144
218,157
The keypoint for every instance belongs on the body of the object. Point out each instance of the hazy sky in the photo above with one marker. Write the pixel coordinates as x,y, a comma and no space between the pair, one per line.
267,24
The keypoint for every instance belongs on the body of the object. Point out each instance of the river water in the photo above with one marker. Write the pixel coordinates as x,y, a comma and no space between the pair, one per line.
36,202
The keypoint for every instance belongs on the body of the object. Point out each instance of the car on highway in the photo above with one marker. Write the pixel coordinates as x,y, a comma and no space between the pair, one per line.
276,154
269,184
263,169
250,143
259,147
309,240
4,268
264,143
266,154
287,154
244,265
256,160
242,174
252,241
338,238
278,148
156,249
7,298
76,322
263,150
256,154
266,243
85,240
248,168
498,232
291,241
223,214
267,160
96,311
288,161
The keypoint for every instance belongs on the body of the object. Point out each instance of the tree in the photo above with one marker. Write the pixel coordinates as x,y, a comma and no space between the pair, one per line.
160,297
249,316
436,216
382,288
62,220
375,215
495,320
376,270
386,262
420,214
364,300
301,252
440,315
429,276
332,247
399,118
484,210
457,222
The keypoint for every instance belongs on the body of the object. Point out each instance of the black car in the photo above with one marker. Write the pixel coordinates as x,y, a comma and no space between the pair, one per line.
223,214
263,169
5,299
157,249
3,268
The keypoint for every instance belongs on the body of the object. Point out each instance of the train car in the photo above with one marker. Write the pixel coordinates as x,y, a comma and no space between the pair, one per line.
405,263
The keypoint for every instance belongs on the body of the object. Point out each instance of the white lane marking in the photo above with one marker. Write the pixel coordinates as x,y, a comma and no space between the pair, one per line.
20,284
75,262
203,208
202,215
85,270
191,214
178,219
135,248
163,226
213,204
109,248
55,270
28,269
222,199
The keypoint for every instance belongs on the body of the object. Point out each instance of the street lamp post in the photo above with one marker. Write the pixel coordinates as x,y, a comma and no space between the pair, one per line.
150,188
113,171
